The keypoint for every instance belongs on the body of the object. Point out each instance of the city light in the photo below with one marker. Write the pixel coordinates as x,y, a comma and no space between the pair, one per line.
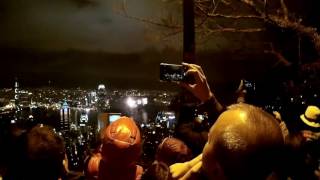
144,101
101,87
77,112
134,102
139,101
131,102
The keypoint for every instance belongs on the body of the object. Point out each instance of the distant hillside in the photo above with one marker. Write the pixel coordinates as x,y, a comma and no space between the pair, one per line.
74,68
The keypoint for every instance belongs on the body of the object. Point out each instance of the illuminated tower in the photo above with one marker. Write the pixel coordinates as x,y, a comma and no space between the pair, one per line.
16,102
16,94
65,117
102,105
101,94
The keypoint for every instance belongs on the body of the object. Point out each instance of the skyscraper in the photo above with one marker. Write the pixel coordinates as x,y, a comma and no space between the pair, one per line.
102,101
16,101
65,117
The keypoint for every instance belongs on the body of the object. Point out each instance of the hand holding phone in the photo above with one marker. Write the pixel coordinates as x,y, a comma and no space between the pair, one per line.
199,86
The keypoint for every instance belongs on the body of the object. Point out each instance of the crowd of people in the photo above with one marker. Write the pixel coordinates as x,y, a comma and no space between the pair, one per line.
241,141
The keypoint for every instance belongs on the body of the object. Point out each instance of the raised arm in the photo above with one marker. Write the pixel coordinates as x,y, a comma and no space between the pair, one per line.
201,89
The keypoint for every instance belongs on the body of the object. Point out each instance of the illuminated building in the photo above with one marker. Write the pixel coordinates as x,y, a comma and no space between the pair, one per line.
65,117
16,93
101,94
91,98
16,102
102,106
24,98
166,118
135,105
84,119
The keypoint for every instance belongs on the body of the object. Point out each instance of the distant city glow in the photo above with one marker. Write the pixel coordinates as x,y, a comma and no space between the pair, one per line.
101,87
134,102
144,101
131,102
139,101
74,109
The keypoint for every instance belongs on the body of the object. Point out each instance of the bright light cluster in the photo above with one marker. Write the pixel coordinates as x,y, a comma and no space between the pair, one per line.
133,103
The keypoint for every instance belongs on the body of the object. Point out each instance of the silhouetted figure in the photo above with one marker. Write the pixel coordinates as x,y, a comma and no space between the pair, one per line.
303,146
91,168
157,171
192,131
41,155
172,150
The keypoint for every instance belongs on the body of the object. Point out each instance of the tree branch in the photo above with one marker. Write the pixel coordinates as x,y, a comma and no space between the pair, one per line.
126,14
280,57
265,7
171,26
281,22
300,29
171,34
234,30
285,10
254,7
234,16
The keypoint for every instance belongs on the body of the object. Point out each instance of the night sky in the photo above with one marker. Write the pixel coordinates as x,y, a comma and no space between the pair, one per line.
85,42
78,24
80,43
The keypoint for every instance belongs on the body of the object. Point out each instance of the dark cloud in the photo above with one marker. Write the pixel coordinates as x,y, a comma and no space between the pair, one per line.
85,3
62,25
105,20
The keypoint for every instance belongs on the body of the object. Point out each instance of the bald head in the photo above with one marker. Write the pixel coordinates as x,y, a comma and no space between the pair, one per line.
121,143
244,142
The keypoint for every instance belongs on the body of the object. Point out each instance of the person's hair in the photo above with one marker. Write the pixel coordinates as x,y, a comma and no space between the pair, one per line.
45,152
250,145
157,171
172,150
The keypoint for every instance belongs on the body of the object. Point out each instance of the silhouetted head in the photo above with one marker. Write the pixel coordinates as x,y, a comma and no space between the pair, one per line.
91,168
121,144
157,171
172,150
44,154
244,143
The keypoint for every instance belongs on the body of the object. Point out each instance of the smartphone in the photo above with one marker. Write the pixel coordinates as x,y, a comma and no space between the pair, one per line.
172,72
